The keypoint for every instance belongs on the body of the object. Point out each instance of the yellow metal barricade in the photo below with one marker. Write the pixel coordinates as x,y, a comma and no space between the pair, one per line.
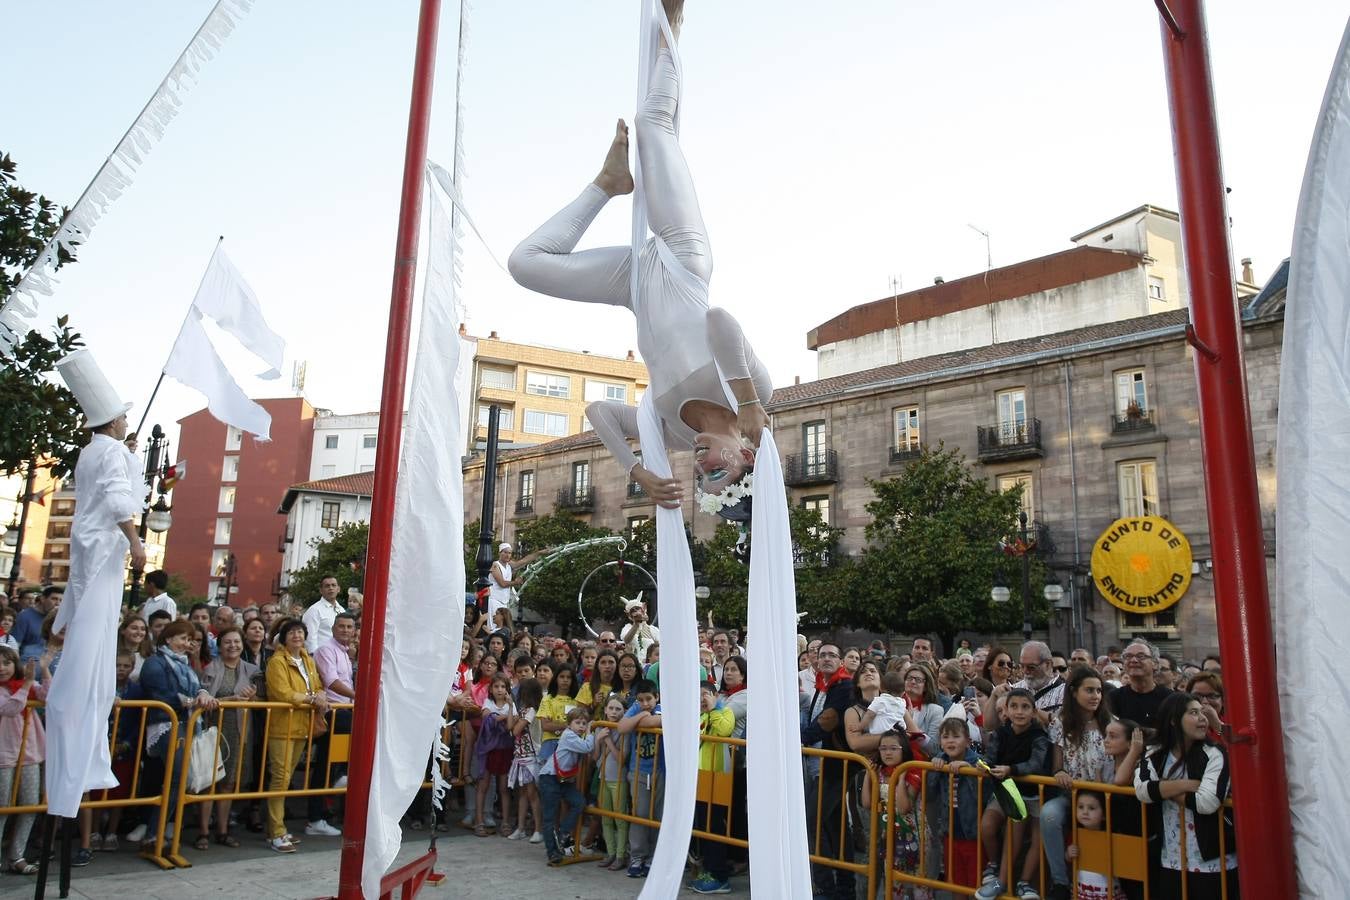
124,745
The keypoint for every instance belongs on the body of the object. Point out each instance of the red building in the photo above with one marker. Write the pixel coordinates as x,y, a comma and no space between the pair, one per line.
226,530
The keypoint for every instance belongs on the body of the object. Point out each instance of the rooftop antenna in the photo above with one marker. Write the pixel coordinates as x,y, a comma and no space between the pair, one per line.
988,264
895,299
988,248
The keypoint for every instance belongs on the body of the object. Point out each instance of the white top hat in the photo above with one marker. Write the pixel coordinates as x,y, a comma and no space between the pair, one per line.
97,398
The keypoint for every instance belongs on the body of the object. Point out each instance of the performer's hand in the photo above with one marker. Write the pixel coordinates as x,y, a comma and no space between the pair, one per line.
667,492
138,556
751,421
131,443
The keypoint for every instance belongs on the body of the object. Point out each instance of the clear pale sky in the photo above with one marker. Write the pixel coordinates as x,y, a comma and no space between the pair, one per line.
834,146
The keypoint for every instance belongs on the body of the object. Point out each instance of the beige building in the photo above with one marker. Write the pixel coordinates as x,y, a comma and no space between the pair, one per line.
543,391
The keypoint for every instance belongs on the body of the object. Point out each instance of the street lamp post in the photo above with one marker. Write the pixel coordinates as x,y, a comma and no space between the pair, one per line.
1026,577
18,529
223,590
157,518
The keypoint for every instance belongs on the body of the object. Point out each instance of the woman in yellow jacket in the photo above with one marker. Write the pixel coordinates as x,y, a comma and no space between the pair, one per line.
292,677
717,720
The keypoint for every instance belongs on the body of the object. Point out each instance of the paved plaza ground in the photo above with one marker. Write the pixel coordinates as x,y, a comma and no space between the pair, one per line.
476,869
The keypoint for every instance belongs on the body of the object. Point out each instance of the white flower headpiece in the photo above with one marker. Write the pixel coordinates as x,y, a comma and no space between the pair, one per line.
732,494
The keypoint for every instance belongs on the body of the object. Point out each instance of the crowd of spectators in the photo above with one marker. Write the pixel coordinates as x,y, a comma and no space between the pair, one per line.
527,710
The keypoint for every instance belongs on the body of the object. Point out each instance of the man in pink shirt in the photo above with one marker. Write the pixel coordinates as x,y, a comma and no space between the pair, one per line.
334,662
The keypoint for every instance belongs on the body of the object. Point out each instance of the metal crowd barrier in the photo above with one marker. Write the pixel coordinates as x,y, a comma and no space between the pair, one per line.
99,800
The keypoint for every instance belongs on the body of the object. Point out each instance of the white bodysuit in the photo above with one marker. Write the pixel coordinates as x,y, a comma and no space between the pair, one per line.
682,340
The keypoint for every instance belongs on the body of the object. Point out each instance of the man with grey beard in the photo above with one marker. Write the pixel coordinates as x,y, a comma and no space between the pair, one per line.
1046,686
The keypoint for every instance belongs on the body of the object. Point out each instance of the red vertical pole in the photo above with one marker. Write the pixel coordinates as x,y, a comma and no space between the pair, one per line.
1256,749
366,713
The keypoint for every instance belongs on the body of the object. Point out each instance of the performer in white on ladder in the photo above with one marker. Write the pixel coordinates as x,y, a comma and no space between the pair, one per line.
707,393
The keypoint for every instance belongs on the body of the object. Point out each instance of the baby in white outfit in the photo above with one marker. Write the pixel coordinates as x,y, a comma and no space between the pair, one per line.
888,709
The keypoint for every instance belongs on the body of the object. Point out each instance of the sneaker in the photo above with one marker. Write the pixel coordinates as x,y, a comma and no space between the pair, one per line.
341,782
555,859
706,884
646,869
990,887
517,835
1025,891
83,857
281,845
635,867
110,842
323,828
95,841
137,834
537,837
489,822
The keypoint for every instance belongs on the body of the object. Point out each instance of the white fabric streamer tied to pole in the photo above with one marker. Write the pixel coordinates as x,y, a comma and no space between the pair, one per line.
119,169
424,612
1314,499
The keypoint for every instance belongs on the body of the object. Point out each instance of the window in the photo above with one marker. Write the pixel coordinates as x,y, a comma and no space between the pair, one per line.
813,443
218,559
1129,624
546,385
506,417
223,530
1138,483
498,379
365,468
229,471
586,424
234,438
332,514
327,471
1131,392
554,424
330,442
634,523
1157,288
820,505
603,390
368,441
1012,416
226,500
527,486
1023,480
581,478
907,429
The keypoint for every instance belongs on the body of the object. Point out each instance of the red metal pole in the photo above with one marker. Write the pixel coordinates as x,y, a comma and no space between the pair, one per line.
366,713
1256,749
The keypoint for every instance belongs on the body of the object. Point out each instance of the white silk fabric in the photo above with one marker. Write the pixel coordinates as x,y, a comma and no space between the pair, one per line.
424,605
779,855
107,476
1314,500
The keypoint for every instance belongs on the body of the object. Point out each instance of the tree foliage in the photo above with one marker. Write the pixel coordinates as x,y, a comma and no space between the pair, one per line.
342,555
552,594
934,552
39,418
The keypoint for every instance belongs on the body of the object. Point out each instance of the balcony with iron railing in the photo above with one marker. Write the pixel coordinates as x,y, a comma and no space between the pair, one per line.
905,453
803,469
525,505
576,499
1010,440
1133,421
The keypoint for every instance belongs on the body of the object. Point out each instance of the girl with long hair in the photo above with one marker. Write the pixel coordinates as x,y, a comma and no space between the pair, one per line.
1078,753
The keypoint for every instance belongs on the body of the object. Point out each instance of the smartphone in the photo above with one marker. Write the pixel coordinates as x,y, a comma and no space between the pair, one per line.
968,693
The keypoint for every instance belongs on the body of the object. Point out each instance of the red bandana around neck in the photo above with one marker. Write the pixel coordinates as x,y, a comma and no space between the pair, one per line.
731,692
824,684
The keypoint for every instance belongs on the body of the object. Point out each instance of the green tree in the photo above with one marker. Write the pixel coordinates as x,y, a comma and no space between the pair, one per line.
935,550
39,418
552,594
342,555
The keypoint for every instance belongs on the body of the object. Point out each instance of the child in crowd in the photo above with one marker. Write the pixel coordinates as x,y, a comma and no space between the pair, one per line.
524,767
646,765
952,804
612,793
522,672
23,746
128,724
716,720
1091,815
558,779
888,709
496,746
893,751
1020,746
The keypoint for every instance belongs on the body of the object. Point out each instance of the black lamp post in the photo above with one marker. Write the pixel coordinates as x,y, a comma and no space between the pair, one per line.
17,529
157,518
1001,594
223,589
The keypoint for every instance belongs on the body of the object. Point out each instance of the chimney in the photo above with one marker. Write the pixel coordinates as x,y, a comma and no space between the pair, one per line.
631,357
1247,274
463,331
796,379
938,279
492,336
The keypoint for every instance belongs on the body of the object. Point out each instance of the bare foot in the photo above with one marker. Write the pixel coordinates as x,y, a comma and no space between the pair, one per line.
614,178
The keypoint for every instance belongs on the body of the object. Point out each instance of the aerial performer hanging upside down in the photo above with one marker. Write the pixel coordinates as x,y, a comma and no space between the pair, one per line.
683,340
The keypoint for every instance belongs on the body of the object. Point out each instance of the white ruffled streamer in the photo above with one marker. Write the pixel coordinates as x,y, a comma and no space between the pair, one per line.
119,169
1314,499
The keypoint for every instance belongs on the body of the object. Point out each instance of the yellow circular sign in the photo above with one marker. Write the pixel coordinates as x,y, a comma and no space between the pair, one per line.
1142,564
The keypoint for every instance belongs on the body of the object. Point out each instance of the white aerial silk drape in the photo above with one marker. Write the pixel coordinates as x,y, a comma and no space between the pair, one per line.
424,609
1314,500
778,848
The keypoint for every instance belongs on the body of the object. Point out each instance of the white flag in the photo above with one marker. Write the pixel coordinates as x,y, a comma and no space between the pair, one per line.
424,605
227,299
1313,498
